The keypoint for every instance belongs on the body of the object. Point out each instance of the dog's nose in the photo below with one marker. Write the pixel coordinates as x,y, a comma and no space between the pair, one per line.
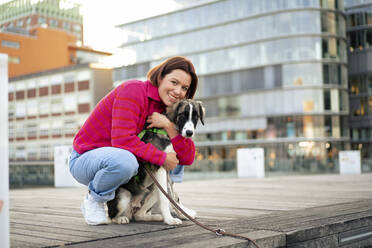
189,133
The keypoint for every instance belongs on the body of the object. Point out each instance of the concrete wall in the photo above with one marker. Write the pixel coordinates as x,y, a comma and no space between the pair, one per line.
4,164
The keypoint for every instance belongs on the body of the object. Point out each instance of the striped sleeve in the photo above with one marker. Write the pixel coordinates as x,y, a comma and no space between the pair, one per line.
184,148
127,106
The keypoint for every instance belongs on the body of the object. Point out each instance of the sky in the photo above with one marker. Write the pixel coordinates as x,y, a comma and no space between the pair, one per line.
101,16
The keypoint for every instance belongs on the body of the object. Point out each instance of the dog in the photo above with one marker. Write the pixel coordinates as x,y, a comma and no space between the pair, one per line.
135,199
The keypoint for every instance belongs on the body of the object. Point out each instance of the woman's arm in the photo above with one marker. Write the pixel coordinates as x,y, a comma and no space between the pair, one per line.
128,105
184,147
161,121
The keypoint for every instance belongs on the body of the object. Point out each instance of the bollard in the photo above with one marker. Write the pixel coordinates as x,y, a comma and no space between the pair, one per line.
4,149
250,162
62,176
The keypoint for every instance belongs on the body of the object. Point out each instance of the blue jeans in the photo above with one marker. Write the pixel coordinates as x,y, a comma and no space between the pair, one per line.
103,170
177,173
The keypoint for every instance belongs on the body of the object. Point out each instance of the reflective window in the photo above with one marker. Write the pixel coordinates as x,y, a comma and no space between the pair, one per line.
32,108
360,39
207,15
270,102
327,99
57,105
334,74
302,74
334,49
20,110
44,128
44,107
308,126
69,103
57,127
280,24
131,72
32,129
253,55
41,20
8,43
359,16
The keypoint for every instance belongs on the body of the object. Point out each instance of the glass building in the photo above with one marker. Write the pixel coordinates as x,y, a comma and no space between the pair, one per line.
359,33
273,74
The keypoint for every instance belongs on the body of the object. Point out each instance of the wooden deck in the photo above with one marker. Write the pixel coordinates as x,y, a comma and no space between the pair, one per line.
292,211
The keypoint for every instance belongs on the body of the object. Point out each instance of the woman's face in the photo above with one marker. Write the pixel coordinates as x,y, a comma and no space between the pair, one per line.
173,87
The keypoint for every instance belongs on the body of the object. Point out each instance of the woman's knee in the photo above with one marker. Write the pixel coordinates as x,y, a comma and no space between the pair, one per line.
125,164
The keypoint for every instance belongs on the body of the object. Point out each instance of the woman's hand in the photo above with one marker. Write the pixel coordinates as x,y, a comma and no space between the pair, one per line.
171,161
158,120
161,121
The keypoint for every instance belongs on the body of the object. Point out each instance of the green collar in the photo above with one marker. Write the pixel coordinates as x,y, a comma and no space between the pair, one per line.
154,130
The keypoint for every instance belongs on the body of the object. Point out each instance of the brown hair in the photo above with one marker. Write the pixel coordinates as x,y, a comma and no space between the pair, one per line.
156,74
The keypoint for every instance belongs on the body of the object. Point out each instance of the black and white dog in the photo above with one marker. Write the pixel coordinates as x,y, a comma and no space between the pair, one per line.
135,199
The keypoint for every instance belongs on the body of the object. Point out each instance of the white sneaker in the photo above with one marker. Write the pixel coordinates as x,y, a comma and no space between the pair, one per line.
94,212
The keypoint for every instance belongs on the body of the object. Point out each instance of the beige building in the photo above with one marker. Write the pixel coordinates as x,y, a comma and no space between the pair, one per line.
45,110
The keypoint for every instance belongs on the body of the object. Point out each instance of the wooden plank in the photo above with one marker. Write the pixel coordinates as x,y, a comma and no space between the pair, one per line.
19,244
18,227
242,205
35,241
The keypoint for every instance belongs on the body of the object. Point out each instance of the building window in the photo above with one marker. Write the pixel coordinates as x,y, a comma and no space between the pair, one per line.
41,20
77,28
327,100
20,153
53,23
14,60
57,106
31,130
44,107
44,129
83,85
69,87
70,103
20,110
83,108
44,152
56,89
67,26
8,43
31,93
44,91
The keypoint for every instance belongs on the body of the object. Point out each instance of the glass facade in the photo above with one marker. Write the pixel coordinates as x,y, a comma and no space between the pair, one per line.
359,32
266,78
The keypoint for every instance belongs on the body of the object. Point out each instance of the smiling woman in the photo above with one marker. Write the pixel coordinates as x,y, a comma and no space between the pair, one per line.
106,148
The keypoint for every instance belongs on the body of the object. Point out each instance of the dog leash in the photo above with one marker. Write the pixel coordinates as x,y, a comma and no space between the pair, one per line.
218,232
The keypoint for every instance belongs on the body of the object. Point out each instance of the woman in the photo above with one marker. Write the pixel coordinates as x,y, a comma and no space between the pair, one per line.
106,148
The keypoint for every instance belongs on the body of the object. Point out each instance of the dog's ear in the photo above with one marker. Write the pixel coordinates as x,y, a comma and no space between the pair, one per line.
201,111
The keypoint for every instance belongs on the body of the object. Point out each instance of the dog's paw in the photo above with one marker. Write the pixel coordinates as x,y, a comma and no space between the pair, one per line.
190,212
121,220
157,217
173,221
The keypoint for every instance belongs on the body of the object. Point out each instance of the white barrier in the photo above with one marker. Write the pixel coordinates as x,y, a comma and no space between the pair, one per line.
250,162
349,162
62,175
4,150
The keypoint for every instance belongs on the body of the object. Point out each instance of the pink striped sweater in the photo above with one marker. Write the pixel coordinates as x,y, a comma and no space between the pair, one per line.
120,116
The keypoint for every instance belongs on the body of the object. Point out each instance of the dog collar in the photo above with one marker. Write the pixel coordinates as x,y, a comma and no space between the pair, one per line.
154,130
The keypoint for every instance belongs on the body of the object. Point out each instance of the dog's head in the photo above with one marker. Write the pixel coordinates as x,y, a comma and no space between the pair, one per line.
185,115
